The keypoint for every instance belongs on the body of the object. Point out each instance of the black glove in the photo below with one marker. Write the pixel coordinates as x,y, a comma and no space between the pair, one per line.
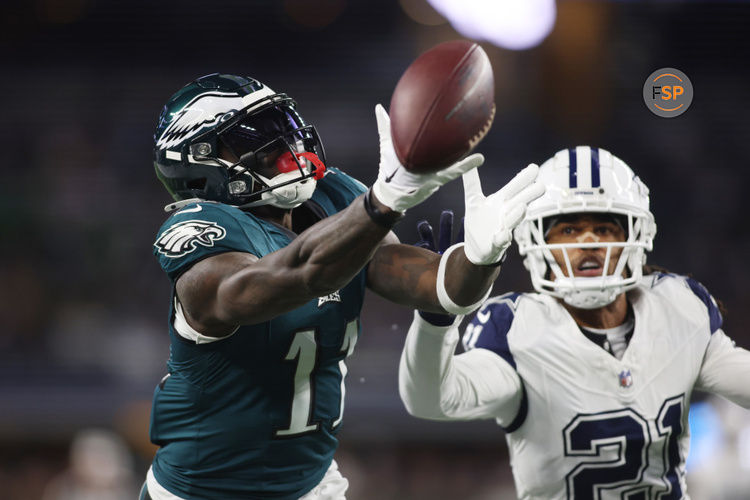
444,242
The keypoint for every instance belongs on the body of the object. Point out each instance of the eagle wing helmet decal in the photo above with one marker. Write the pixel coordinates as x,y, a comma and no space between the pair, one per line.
183,238
203,111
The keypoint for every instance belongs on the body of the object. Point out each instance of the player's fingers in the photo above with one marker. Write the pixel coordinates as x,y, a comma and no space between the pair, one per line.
528,194
384,121
426,235
514,216
446,230
520,181
472,187
470,162
461,167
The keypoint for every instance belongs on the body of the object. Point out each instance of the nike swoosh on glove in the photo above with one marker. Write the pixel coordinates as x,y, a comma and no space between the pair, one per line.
399,189
490,220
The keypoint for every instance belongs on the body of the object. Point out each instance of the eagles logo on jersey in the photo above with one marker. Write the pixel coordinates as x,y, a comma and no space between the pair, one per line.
183,237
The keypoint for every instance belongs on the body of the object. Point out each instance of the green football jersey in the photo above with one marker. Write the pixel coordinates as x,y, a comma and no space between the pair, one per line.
255,414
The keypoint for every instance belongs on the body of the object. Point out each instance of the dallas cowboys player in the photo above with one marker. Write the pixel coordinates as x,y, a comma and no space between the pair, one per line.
269,251
591,377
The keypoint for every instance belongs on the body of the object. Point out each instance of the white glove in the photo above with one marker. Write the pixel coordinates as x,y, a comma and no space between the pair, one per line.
399,189
490,220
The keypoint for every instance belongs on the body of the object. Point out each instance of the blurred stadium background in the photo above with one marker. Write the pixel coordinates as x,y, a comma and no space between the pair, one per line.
83,304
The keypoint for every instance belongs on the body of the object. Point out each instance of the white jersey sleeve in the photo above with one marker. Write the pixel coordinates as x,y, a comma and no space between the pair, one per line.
726,368
436,384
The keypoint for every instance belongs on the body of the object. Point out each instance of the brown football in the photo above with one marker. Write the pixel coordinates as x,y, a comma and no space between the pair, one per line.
442,106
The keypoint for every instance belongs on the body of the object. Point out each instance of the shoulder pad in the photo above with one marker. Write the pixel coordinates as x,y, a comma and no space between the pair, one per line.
198,231
489,328
653,279
337,190
714,315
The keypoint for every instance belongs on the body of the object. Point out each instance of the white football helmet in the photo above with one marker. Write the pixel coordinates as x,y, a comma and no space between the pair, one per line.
586,179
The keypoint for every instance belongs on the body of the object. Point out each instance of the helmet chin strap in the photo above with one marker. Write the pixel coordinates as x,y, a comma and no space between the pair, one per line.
182,203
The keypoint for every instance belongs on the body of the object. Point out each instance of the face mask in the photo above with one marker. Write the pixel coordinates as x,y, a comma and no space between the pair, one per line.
293,194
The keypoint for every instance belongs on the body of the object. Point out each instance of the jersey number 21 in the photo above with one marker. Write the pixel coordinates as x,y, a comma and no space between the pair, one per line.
629,434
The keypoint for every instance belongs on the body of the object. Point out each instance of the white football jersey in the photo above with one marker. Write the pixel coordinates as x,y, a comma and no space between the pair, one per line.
583,424
599,427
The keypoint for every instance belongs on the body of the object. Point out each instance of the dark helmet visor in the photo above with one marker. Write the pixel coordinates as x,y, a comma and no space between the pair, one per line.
258,130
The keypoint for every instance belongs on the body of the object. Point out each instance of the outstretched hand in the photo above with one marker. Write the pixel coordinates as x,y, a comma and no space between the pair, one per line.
399,189
445,240
445,236
490,220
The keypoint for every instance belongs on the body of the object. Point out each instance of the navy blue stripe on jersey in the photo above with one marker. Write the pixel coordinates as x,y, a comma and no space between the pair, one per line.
493,321
657,277
489,330
595,182
714,315
523,410
572,168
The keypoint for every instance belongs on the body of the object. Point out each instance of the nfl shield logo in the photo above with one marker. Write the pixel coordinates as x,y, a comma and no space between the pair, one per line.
626,379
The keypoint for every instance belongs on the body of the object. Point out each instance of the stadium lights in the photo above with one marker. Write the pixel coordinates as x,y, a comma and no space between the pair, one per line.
510,24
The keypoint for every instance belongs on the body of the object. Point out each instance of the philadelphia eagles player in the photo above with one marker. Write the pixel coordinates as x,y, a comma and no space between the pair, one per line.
591,377
269,251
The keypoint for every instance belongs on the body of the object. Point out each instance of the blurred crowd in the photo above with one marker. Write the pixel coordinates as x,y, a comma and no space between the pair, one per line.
83,306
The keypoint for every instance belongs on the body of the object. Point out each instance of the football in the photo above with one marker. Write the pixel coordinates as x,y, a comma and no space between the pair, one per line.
442,106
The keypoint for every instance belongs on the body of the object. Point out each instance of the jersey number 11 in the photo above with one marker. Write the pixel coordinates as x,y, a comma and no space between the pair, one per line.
304,350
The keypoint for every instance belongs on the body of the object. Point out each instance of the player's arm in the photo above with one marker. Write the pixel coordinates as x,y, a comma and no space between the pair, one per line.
436,384
408,275
229,289
234,288
459,280
726,370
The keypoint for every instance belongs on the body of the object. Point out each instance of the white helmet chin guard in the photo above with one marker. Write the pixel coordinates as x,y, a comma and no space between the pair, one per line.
587,180
289,194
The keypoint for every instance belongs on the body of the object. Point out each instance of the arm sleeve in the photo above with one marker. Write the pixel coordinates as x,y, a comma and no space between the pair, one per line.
436,384
726,370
